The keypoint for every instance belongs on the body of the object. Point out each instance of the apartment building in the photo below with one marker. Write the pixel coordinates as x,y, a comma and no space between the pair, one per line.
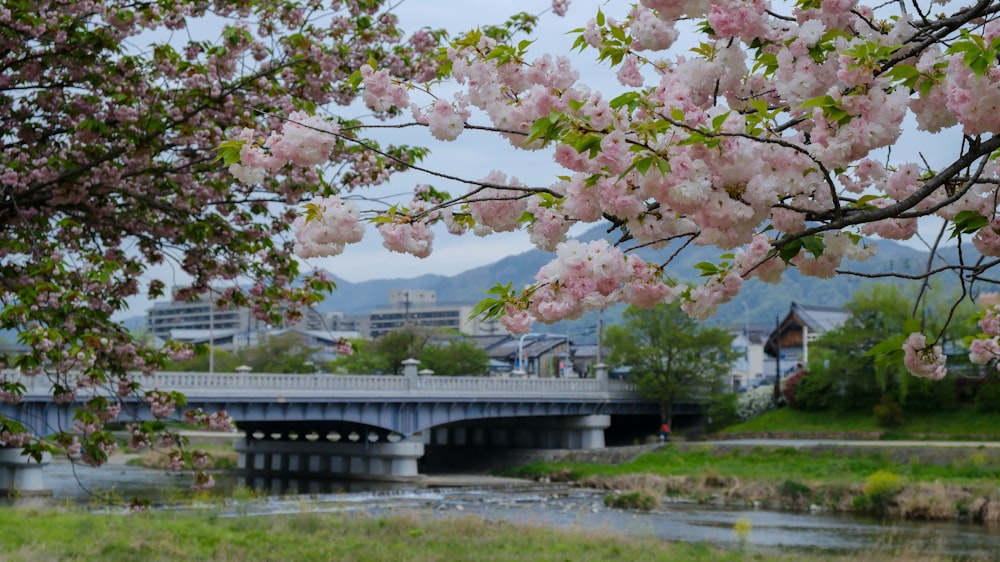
420,308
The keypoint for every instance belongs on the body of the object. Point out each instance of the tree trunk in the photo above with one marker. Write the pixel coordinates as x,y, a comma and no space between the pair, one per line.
667,412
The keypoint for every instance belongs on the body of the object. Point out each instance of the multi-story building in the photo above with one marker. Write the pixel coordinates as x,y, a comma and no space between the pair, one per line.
316,321
419,308
201,321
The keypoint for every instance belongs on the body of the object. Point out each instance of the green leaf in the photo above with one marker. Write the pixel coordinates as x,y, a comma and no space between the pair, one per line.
493,307
820,101
968,222
889,347
790,250
630,99
707,269
229,151
546,128
815,245
719,120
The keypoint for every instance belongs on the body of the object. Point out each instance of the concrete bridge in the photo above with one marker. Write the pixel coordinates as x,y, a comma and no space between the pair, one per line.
374,427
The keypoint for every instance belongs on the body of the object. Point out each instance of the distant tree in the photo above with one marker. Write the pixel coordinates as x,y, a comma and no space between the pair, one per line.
223,361
673,357
843,375
457,357
366,360
454,357
282,353
400,345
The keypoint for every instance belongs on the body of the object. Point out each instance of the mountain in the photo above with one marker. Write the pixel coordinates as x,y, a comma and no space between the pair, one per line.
469,286
758,303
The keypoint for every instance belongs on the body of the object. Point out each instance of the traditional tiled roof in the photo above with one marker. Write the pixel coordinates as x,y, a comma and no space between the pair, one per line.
820,319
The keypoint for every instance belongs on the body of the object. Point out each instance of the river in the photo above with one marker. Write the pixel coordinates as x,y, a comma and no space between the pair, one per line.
527,503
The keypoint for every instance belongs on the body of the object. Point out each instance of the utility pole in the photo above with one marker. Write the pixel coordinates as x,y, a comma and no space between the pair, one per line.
211,333
777,359
600,334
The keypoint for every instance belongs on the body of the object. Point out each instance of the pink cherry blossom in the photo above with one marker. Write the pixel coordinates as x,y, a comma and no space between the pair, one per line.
516,320
336,224
984,350
414,238
559,7
923,360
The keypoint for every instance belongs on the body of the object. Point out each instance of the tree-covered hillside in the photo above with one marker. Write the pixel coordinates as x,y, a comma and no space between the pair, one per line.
760,302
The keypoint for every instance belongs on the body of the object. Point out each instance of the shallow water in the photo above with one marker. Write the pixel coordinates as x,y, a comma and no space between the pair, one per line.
550,506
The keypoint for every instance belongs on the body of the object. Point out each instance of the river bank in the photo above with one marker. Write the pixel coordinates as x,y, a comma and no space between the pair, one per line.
904,480
548,512
916,480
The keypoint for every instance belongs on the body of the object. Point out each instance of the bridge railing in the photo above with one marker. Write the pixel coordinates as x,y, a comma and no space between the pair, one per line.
255,384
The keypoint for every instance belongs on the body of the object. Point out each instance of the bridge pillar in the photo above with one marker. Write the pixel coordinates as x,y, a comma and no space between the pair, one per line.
584,432
21,475
394,462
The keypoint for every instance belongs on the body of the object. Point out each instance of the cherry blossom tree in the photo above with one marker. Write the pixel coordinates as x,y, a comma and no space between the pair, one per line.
772,131
110,112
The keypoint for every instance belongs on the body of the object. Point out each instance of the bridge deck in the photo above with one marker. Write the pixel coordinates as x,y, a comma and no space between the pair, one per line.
266,385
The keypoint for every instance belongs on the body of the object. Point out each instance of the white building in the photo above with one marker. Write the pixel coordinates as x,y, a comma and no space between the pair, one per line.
200,321
748,342
419,308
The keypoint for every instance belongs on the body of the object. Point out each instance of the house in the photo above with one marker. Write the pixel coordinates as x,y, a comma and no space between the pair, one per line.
748,342
537,355
788,345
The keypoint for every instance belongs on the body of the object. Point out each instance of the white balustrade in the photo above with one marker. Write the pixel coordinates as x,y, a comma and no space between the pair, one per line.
263,384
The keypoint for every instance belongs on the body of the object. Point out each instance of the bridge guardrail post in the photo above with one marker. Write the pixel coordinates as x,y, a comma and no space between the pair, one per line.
410,372
601,374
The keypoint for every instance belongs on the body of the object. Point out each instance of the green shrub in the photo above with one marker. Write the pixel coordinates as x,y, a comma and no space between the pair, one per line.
794,490
880,487
924,395
812,392
722,410
988,398
632,500
888,412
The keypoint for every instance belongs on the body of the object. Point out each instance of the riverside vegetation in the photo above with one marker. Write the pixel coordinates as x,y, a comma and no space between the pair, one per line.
923,483
204,535
860,480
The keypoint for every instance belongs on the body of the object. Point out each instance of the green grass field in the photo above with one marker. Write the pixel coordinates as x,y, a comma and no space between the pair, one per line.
32,536
951,425
780,464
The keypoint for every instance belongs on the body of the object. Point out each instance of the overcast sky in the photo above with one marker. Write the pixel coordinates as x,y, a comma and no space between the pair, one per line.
475,154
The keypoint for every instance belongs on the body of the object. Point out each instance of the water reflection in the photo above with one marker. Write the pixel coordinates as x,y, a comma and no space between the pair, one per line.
76,483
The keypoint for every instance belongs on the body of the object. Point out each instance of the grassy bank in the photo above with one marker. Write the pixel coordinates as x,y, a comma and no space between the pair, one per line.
957,425
149,537
923,484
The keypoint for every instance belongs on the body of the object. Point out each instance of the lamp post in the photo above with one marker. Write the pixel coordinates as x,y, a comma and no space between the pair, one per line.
520,349
520,345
